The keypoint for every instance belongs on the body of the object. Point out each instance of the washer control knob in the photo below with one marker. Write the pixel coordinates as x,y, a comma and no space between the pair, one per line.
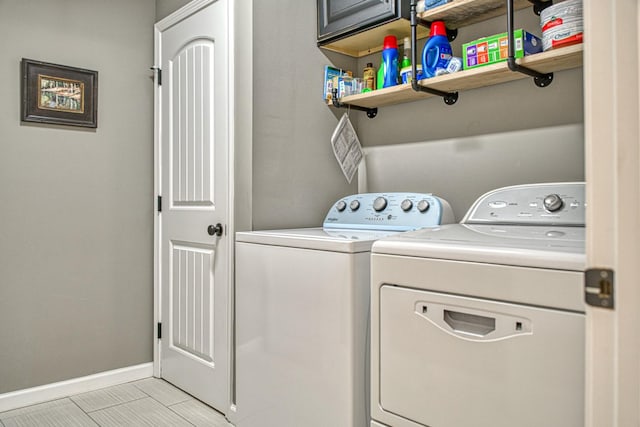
379,204
423,205
553,203
406,205
341,205
354,205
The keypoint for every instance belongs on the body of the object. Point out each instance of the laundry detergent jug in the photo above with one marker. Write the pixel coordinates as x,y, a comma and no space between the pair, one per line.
437,50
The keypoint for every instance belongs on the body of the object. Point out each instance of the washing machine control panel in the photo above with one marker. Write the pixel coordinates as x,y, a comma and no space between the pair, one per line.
532,204
389,211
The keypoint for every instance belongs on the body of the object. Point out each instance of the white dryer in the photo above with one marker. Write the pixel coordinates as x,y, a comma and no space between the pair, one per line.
302,310
482,323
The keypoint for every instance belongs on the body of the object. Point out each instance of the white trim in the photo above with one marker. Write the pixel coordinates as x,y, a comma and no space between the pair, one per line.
182,13
240,103
43,393
231,227
612,76
157,43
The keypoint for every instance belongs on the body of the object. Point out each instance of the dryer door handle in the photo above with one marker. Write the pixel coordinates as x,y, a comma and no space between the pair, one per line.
473,324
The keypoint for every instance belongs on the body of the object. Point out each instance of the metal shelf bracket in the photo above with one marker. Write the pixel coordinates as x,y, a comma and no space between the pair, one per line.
540,5
371,112
449,98
540,79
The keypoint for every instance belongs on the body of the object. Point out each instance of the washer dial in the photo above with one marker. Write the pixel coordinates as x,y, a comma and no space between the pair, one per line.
553,203
379,204
354,205
341,205
406,205
423,205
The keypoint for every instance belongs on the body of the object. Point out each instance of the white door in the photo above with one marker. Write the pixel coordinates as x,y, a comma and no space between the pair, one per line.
193,141
612,118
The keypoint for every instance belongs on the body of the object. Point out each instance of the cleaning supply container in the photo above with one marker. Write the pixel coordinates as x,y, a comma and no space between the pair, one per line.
388,72
405,65
437,50
561,24
369,77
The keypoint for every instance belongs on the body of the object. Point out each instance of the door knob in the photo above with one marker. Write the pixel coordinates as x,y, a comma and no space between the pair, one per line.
215,230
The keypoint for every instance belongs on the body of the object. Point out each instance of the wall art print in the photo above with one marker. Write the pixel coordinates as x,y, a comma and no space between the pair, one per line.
59,94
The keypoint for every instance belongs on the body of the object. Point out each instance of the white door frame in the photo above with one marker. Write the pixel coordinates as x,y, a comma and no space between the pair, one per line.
612,117
179,15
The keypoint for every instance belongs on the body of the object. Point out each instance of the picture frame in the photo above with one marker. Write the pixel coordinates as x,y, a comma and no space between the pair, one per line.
59,94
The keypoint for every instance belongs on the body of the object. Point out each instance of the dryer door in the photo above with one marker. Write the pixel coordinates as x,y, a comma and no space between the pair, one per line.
456,361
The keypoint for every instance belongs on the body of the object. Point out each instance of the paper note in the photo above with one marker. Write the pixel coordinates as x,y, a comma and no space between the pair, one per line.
346,147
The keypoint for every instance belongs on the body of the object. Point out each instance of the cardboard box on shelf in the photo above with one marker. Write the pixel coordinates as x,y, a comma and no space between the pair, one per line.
492,49
335,78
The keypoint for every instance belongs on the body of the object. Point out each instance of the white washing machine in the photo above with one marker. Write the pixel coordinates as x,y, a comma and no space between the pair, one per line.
302,310
482,323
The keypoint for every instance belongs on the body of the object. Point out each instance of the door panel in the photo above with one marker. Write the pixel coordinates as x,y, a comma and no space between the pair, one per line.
191,303
192,96
194,139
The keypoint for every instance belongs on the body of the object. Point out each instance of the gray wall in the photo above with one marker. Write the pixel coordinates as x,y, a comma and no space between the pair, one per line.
243,115
296,177
295,174
76,230
166,7
463,168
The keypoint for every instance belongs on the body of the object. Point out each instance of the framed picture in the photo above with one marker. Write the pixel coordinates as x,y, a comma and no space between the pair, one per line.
59,95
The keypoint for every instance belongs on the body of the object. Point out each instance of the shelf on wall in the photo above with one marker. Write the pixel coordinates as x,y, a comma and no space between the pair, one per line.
460,13
545,62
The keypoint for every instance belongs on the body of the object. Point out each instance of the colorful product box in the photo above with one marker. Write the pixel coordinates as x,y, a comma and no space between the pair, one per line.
335,78
492,49
329,73
430,4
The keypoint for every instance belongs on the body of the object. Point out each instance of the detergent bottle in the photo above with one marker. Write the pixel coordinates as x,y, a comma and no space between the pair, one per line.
437,50
388,72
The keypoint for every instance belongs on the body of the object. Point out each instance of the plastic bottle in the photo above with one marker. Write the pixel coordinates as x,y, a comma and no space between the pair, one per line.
369,77
437,50
406,57
380,77
405,66
388,72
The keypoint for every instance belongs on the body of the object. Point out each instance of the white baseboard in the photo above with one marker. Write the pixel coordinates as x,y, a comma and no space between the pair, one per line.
43,393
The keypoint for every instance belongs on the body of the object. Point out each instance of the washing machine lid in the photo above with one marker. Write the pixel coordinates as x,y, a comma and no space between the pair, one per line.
335,240
551,247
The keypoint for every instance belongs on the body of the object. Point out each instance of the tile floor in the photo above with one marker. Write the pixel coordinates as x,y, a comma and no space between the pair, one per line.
148,402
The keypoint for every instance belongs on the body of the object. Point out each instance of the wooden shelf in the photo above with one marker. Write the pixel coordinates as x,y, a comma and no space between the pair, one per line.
460,13
546,62
370,41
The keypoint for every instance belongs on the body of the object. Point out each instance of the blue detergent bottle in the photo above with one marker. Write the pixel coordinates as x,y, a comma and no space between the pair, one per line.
437,50
388,72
